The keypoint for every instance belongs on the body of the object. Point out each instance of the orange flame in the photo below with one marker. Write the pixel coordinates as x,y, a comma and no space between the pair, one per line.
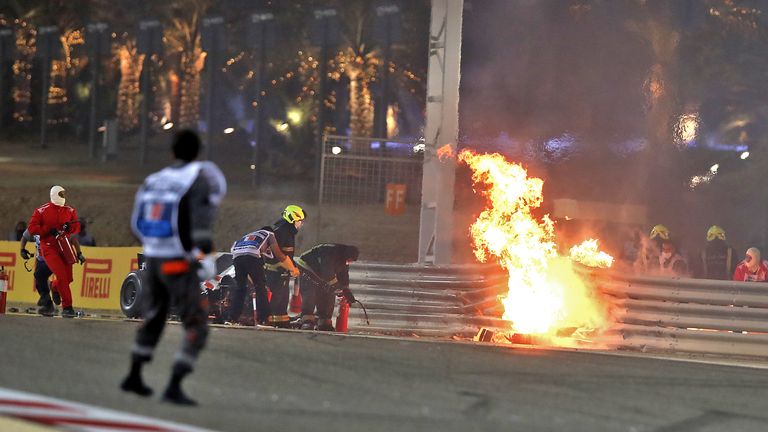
545,295
445,151
590,255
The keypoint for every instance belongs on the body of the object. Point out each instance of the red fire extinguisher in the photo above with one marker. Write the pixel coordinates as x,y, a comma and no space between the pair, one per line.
343,318
3,289
65,249
295,305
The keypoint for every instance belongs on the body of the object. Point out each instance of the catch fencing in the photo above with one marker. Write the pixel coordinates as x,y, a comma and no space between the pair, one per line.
375,180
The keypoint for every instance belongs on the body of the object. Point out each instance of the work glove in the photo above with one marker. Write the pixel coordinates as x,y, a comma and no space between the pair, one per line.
347,294
25,254
206,267
65,227
80,258
53,232
295,272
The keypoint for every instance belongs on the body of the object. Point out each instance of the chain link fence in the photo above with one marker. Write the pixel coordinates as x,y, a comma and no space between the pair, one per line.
377,180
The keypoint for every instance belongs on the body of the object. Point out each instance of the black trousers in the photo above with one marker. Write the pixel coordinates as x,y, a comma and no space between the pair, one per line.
315,296
277,282
183,291
42,273
245,266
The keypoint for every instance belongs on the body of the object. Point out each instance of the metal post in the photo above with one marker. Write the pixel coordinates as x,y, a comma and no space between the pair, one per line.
257,132
94,98
44,102
145,91
211,65
320,190
436,228
96,38
321,108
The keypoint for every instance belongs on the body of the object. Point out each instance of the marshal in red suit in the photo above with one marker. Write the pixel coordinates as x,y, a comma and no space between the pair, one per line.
49,221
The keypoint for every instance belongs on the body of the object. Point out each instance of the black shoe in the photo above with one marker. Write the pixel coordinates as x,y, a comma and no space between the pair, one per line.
324,327
68,312
43,300
135,385
46,309
56,297
177,396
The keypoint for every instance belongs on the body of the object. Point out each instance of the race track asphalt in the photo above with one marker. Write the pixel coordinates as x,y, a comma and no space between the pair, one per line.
264,380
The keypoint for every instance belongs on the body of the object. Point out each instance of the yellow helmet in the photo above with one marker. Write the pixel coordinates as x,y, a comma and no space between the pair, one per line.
660,231
715,232
293,213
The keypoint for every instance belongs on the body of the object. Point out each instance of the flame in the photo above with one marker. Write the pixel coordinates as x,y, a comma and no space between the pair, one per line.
587,253
445,151
545,295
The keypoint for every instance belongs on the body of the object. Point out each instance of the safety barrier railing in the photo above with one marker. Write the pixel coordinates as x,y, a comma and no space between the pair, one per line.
650,313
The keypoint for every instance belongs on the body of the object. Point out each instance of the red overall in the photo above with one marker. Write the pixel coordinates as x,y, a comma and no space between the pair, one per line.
44,219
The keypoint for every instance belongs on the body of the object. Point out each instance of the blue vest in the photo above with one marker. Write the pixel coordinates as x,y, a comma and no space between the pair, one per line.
254,243
156,209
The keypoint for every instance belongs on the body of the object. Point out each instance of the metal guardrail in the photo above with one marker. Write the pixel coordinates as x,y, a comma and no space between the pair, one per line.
650,313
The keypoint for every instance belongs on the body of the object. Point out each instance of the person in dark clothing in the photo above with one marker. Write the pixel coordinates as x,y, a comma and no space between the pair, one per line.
249,253
18,232
277,277
41,275
324,271
83,237
717,257
173,216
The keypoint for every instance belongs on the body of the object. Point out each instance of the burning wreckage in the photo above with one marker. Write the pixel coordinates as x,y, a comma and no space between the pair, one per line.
548,300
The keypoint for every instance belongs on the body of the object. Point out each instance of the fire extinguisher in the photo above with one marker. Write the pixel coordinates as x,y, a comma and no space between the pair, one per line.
343,318
3,289
295,305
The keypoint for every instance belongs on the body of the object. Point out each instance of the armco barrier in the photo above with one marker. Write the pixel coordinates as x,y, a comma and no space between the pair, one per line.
688,315
95,285
650,313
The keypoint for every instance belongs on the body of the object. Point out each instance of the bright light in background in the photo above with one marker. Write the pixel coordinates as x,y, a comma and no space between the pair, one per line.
698,180
686,129
335,150
253,167
229,130
744,155
294,116
282,127
419,148
167,125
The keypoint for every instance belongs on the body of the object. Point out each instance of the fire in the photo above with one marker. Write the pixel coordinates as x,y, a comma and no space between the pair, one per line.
545,295
587,253
445,151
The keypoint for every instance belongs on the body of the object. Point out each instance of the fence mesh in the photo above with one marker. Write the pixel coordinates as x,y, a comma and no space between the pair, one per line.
355,174
356,171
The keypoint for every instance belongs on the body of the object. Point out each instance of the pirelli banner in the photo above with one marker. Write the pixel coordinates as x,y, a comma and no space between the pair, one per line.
96,284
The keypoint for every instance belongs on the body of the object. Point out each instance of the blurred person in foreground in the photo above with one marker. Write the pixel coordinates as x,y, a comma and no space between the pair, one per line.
752,269
671,262
717,258
50,221
173,216
324,273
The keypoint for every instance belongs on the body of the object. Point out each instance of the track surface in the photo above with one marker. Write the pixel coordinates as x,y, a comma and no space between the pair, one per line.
251,380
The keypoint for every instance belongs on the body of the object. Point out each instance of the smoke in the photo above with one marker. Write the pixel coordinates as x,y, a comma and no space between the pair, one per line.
596,98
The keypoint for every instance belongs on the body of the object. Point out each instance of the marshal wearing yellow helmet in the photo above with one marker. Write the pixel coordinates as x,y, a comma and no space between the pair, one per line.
717,257
659,231
277,277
